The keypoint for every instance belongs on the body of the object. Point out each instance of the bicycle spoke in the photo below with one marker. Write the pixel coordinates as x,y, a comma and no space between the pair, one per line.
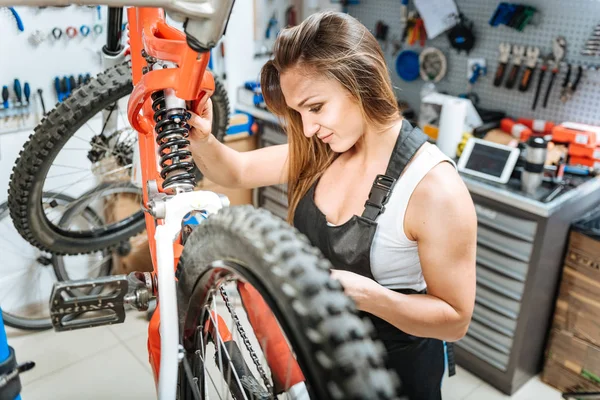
221,342
68,166
95,145
67,174
72,148
204,372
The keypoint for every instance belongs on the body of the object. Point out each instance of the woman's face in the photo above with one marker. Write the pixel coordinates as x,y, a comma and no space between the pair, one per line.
326,107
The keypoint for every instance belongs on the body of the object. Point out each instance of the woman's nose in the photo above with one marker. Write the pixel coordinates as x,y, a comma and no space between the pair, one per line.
310,128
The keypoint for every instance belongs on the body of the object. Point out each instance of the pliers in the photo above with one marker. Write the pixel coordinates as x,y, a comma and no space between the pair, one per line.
559,47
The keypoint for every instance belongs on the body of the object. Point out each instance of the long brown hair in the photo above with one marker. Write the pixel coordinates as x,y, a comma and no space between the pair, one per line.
339,47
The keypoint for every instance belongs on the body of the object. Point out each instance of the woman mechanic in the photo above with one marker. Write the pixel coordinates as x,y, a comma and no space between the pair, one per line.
388,209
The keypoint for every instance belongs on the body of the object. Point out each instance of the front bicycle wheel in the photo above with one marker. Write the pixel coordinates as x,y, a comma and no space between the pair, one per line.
85,141
246,274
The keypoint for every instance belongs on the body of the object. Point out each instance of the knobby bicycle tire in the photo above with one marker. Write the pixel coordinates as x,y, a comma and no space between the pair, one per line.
336,350
43,146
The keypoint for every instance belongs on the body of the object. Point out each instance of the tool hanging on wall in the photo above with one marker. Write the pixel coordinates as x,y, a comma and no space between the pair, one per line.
433,64
515,16
592,45
40,94
568,87
16,17
559,48
381,33
504,50
461,36
71,32
271,26
531,58
57,33
477,69
543,69
517,53
291,16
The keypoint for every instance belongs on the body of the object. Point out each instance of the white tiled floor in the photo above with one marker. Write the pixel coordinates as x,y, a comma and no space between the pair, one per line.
111,363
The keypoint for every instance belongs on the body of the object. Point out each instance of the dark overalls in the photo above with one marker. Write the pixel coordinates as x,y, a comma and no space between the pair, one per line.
419,362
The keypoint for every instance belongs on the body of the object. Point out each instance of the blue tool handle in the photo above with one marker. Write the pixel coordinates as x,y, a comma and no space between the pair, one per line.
99,12
5,97
67,86
57,87
17,19
27,91
18,91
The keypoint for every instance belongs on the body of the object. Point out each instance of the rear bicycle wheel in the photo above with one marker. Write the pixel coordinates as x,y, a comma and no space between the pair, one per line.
242,251
28,274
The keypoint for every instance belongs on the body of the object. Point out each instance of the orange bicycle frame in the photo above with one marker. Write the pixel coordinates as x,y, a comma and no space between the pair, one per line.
191,82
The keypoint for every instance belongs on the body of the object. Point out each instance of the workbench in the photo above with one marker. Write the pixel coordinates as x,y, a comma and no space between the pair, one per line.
520,250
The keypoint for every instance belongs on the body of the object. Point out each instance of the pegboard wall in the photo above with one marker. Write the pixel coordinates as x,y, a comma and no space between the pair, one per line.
38,64
575,20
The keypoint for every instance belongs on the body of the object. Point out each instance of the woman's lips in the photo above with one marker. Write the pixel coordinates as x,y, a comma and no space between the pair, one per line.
327,138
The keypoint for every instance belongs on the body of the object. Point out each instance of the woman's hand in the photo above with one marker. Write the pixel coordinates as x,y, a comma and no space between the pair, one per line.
357,287
201,123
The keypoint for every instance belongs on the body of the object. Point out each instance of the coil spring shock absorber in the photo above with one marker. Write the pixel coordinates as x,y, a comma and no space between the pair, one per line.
172,131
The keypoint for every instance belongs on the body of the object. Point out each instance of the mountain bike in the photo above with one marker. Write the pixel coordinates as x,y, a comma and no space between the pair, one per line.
211,259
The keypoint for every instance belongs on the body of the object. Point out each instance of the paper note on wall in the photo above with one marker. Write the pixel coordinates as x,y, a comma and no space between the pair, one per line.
438,15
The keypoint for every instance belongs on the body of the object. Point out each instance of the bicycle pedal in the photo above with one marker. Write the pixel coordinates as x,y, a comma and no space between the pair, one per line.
88,303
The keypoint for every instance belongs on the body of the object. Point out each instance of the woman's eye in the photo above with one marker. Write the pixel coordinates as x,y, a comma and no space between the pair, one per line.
316,108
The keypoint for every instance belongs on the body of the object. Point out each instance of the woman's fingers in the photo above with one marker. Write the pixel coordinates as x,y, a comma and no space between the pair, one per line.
202,125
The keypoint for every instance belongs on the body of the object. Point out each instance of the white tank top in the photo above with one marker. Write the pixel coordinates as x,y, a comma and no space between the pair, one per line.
395,260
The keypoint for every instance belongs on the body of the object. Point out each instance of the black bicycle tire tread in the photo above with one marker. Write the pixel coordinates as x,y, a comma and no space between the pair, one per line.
55,127
343,349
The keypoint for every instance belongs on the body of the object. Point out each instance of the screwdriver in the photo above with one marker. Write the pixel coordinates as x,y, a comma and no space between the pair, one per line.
5,97
5,101
19,94
18,91
72,83
27,93
40,91
57,88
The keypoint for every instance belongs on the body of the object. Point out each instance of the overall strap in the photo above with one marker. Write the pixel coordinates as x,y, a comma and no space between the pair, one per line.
408,143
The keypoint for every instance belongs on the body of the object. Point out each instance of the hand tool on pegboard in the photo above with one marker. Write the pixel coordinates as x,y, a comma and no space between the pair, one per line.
5,103
592,45
461,35
381,33
559,48
531,58
568,87
40,94
17,18
26,105
543,68
517,57
504,50
19,96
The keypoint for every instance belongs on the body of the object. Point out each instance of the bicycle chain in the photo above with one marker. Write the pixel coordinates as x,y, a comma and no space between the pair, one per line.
247,343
